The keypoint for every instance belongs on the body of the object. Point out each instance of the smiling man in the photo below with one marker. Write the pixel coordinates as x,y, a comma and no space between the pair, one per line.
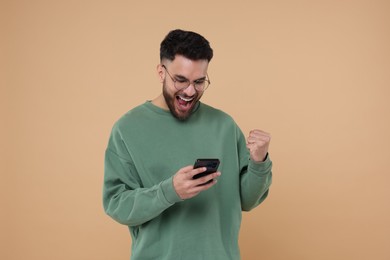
150,182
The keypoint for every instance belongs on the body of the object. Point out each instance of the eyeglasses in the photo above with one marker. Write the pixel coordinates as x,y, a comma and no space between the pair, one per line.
183,83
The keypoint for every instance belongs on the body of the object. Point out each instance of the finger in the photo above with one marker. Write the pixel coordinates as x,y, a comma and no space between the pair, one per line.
258,131
256,146
203,187
207,178
191,171
254,139
258,141
260,136
196,171
250,146
186,169
251,139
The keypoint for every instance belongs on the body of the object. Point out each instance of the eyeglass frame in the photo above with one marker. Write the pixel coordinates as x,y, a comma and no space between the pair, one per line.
189,82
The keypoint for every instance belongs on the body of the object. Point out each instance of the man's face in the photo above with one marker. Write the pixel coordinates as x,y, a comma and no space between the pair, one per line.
182,102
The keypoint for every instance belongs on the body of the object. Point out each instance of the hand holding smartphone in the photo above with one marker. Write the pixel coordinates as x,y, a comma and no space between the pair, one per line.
210,164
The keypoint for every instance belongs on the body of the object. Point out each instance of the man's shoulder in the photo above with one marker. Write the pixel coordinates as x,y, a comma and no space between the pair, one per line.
216,113
132,115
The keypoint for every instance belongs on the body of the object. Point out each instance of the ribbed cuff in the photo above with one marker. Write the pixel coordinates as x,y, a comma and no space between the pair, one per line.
262,167
169,191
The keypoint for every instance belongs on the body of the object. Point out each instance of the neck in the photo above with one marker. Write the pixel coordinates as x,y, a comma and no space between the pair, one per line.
160,102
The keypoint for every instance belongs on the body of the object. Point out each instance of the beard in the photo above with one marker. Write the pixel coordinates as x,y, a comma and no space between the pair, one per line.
171,101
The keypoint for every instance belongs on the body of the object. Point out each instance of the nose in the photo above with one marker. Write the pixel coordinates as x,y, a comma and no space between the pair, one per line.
190,90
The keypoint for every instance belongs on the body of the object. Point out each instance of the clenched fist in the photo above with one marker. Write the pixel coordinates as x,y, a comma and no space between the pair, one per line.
258,143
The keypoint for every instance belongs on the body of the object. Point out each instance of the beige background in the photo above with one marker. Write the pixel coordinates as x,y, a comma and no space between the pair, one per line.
313,73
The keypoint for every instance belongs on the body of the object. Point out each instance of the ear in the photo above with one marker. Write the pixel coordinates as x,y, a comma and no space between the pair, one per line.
160,73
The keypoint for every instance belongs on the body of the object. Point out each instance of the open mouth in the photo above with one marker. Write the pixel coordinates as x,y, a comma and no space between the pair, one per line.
184,103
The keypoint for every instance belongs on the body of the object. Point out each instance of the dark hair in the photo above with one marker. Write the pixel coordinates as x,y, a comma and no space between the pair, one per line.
189,44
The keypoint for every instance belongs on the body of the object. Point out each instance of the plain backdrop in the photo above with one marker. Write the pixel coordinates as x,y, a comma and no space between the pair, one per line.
315,74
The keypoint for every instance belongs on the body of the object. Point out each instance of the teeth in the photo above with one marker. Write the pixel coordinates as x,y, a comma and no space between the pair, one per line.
186,99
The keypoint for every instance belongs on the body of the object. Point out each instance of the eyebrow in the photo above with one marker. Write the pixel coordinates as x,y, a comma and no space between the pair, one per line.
180,77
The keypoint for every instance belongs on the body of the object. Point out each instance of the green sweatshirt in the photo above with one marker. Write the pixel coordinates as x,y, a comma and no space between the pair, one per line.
146,148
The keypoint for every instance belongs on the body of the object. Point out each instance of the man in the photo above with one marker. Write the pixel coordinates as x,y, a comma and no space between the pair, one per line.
149,184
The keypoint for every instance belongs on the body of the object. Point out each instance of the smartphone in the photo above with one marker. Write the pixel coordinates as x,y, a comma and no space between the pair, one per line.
210,164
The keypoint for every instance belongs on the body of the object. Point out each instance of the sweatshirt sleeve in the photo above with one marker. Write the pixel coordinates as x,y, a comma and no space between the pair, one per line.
255,178
124,198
